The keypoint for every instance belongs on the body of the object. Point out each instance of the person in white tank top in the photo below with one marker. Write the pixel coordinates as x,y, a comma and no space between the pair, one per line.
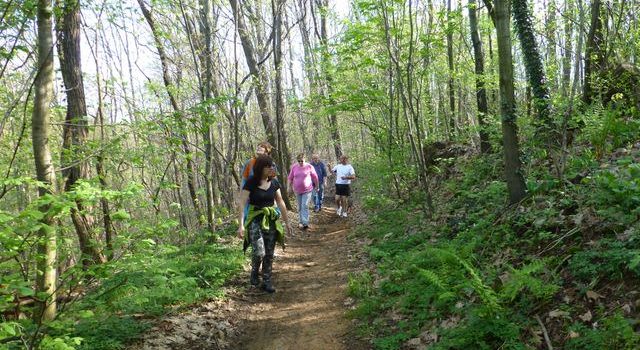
344,173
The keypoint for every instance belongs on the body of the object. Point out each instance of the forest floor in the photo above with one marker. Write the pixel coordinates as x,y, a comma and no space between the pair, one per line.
308,310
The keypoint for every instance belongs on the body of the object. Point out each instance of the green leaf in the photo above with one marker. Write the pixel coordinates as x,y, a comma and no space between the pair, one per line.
120,215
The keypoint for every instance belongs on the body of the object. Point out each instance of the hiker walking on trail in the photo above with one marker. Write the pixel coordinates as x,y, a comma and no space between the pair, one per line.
303,179
263,148
318,194
263,222
344,174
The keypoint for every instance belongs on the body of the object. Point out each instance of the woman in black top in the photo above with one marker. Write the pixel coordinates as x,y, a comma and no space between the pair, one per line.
263,221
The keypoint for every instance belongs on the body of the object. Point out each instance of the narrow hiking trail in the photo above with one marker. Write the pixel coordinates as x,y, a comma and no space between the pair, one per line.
308,310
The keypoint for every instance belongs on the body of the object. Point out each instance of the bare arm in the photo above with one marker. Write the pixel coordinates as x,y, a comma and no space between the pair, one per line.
243,199
283,211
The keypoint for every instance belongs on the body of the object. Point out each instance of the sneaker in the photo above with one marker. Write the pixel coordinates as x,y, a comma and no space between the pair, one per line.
305,227
339,211
344,215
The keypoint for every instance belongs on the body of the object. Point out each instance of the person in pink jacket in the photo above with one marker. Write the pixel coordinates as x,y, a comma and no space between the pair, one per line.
302,179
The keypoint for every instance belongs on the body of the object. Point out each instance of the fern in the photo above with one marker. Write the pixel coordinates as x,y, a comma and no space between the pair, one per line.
486,293
432,278
523,279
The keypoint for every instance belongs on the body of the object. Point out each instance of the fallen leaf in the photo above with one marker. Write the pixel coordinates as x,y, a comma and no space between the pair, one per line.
626,308
586,317
429,337
505,277
573,335
593,295
558,314
414,343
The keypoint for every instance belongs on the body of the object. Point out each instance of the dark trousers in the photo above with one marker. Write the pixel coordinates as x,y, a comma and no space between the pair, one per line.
263,244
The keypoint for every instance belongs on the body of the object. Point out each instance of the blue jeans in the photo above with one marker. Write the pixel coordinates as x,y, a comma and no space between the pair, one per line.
318,195
303,207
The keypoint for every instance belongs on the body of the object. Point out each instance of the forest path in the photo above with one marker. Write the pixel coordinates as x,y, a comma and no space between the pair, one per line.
308,310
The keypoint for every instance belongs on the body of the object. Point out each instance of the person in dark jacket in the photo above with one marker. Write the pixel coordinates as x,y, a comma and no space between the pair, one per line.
318,193
265,224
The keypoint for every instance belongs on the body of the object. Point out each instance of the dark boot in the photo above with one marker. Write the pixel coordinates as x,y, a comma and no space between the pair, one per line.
268,287
255,274
255,278
267,263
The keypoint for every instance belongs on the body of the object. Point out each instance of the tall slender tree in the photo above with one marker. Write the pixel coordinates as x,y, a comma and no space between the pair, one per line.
40,128
594,52
481,91
513,166
75,129
450,58
325,62
169,86
260,83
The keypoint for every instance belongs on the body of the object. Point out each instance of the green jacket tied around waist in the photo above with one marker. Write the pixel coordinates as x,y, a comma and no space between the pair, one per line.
269,214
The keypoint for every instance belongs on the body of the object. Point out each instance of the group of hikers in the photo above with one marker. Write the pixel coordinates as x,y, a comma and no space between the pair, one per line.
265,223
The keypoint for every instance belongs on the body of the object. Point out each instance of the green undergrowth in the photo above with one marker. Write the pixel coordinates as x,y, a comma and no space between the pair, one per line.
156,280
485,275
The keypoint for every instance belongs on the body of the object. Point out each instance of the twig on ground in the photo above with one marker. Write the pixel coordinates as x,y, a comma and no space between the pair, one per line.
544,333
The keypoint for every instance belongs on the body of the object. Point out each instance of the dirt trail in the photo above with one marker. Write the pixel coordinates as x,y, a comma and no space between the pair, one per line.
308,310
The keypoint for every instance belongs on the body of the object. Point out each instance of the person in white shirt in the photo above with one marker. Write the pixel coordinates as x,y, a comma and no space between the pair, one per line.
344,174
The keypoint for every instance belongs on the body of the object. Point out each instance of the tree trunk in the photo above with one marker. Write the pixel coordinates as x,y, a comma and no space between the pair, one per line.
405,75
513,167
310,65
46,278
551,28
75,129
533,63
174,104
452,97
594,57
567,47
323,7
260,86
481,92
207,133
109,232
277,7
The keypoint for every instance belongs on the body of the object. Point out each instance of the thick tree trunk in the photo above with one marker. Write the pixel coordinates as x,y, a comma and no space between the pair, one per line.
513,167
46,277
533,63
481,92
75,129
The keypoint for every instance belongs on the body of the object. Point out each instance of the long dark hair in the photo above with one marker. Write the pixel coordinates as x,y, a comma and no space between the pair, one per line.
261,163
